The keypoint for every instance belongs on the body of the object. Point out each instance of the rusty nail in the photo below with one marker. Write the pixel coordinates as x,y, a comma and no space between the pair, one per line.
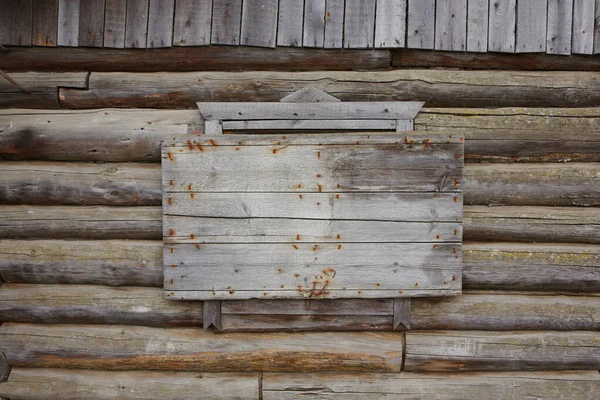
318,154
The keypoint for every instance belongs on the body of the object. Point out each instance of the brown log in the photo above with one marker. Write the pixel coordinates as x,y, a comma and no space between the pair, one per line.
41,88
117,347
447,351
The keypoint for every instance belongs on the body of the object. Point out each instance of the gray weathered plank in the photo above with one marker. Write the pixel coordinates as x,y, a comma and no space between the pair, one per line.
402,314
334,24
451,25
114,23
597,28
290,25
136,25
68,23
226,22
559,30
359,24
531,26
192,25
91,23
259,23
211,315
390,23
501,27
44,23
160,23
583,27
421,24
270,322
477,25
307,124
314,23
15,20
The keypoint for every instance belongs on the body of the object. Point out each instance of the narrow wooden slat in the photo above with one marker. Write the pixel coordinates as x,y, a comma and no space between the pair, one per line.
531,26
160,23
15,20
501,33
359,24
314,23
451,25
559,31
302,323
114,23
212,315
44,23
290,25
334,24
583,27
402,314
346,307
192,25
597,28
226,22
136,24
259,23
68,23
421,24
477,25
91,23
390,23
307,124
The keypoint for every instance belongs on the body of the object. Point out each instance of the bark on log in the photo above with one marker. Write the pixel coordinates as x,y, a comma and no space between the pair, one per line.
448,351
49,383
438,88
134,348
42,88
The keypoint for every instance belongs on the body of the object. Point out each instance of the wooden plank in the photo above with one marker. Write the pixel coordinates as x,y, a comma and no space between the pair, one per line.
160,23
477,25
15,19
112,348
68,23
421,24
449,351
303,323
402,314
502,25
346,307
559,30
212,315
531,26
226,22
451,25
314,23
307,124
434,386
91,23
289,26
583,27
597,28
39,384
44,23
114,23
192,25
259,23
359,24
390,23
136,24
334,24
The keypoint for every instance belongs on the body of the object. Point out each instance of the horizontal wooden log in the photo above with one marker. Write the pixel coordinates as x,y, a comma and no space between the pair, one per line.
132,348
44,383
41,88
437,88
219,58
435,386
448,351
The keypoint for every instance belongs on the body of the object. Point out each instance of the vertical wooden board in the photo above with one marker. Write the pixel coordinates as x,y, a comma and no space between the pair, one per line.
68,23
390,23
91,23
15,22
259,23
531,26
501,26
334,24
477,25
289,29
136,24
114,23
226,21
44,22
583,27
421,24
192,22
314,23
560,20
597,29
160,23
359,24
451,25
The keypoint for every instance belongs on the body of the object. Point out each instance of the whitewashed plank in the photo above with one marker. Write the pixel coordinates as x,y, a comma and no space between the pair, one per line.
359,24
226,22
289,29
501,27
192,22
334,24
259,23
597,29
583,27
390,24
68,23
531,26
451,25
136,24
560,21
421,23
308,124
314,23
160,23
477,25
114,23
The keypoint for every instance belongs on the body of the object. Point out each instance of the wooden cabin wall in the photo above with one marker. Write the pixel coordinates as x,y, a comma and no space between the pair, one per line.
81,253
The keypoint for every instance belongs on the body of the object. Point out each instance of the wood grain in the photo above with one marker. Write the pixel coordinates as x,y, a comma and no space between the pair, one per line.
390,23
559,29
583,27
531,26
501,34
44,23
421,24
314,23
114,23
477,25
359,23
160,23
289,26
68,23
91,23
259,23
334,24
226,22
192,24
15,19
451,25
136,25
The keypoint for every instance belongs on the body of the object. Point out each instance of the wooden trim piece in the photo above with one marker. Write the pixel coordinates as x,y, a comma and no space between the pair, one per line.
402,314
212,315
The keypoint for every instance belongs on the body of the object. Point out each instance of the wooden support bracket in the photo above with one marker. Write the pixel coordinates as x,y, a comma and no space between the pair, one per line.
402,314
211,315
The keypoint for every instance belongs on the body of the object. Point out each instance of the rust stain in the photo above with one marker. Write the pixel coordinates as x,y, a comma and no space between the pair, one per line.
337,196
190,186
212,142
192,236
274,151
315,247
455,232
200,147
281,286
453,277
298,237
318,175
318,204
378,284
295,247
338,236
171,232
437,236
171,182
426,143
190,145
301,197
172,250
173,266
453,250
435,196
318,154
170,201
320,187
198,246
237,149
171,281
170,155
297,276
434,246
455,199
339,246
458,156
191,195
416,284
